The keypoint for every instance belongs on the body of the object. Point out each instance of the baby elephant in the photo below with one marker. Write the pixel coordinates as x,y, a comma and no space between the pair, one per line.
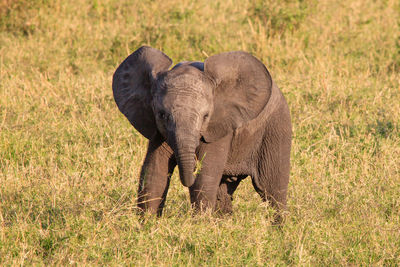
225,114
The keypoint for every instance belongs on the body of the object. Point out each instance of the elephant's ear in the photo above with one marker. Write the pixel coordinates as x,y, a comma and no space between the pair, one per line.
243,87
132,82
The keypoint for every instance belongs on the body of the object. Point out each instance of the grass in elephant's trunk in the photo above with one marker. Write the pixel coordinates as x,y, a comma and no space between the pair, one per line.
199,164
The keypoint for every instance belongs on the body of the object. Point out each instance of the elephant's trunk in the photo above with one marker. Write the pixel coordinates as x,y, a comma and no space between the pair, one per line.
185,149
186,164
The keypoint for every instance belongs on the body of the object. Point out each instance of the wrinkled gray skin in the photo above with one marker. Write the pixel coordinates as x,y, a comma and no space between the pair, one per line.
227,112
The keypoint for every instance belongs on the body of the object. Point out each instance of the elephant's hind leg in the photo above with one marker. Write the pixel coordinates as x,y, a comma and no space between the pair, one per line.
272,177
274,195
225,191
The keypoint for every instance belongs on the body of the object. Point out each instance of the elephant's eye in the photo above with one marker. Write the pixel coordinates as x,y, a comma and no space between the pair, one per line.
162,115
205,117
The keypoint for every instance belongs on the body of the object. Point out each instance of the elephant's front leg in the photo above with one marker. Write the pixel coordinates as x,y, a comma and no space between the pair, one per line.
155,176
213,157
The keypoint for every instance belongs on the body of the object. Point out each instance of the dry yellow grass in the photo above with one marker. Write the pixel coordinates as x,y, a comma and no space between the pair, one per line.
69,161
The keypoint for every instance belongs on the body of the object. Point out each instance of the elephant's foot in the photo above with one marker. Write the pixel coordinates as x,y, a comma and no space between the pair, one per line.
225,191
224,200
275,197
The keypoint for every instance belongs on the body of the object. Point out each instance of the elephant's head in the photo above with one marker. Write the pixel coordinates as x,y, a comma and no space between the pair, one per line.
191,102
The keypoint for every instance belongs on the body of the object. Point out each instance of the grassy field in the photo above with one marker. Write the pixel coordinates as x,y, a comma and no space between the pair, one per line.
70,161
